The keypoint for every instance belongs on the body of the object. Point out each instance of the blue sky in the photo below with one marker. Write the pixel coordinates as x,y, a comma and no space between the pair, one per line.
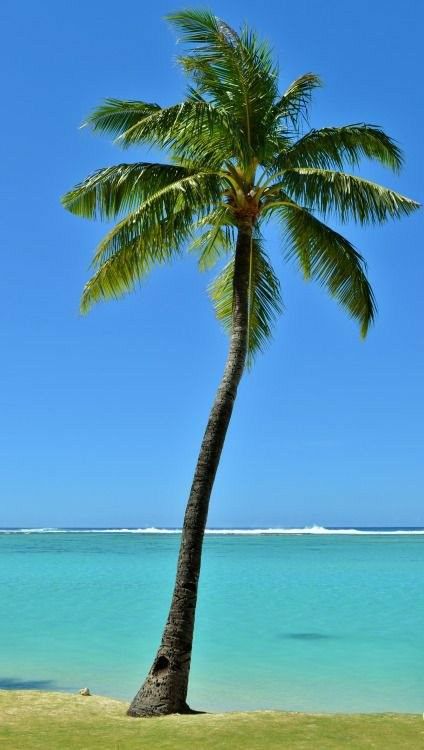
102,415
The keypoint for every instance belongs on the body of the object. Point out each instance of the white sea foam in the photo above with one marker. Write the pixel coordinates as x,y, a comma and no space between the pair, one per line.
317,530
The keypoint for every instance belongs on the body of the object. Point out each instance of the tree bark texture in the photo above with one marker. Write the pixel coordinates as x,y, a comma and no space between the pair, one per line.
165,688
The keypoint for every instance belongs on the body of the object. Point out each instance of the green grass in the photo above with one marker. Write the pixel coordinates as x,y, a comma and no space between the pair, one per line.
32,720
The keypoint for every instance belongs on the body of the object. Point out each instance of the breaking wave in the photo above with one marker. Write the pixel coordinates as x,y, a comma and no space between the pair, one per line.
318,530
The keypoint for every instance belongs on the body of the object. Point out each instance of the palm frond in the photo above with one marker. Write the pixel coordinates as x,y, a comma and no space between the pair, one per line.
108,192
214,237
334,147
165,127
327,256
127,254
116,116
187,128
264,298
344,195
202,28
165,218
294,103
235,70
118,275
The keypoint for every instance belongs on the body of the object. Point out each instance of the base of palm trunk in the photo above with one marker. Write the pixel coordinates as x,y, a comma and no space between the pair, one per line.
164,690
142,709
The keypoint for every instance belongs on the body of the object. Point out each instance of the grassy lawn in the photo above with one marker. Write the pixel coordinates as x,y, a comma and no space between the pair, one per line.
58,721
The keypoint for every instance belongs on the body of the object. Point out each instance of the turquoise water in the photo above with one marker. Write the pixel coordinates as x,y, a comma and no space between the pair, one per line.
309,623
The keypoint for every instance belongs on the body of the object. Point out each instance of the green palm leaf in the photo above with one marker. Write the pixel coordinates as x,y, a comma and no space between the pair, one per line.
294,103
344,195
215,237
179,126
154,233
121,188
116,116
118,274
236,71
334,147
327,256
264,302
165,218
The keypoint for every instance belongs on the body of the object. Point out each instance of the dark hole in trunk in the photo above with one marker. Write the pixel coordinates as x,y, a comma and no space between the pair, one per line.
162,663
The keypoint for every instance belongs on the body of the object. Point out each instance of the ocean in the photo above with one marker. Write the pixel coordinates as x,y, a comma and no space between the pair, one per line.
301,620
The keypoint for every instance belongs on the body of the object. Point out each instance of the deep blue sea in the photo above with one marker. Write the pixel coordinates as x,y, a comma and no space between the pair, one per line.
312,620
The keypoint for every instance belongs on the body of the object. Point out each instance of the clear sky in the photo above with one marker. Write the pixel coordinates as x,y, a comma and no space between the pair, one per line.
102,415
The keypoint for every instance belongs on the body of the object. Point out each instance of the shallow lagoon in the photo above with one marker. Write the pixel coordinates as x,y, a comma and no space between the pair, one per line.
314,622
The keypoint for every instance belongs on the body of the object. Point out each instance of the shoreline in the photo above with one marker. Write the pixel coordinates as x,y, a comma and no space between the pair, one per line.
53,695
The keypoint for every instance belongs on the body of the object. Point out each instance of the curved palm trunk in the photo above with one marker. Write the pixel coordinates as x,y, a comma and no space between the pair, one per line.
165,688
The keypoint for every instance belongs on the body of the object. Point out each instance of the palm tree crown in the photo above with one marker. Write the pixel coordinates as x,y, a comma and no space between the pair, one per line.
237,156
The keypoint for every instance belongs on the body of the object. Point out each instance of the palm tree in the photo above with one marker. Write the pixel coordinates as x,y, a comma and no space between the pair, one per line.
237,157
